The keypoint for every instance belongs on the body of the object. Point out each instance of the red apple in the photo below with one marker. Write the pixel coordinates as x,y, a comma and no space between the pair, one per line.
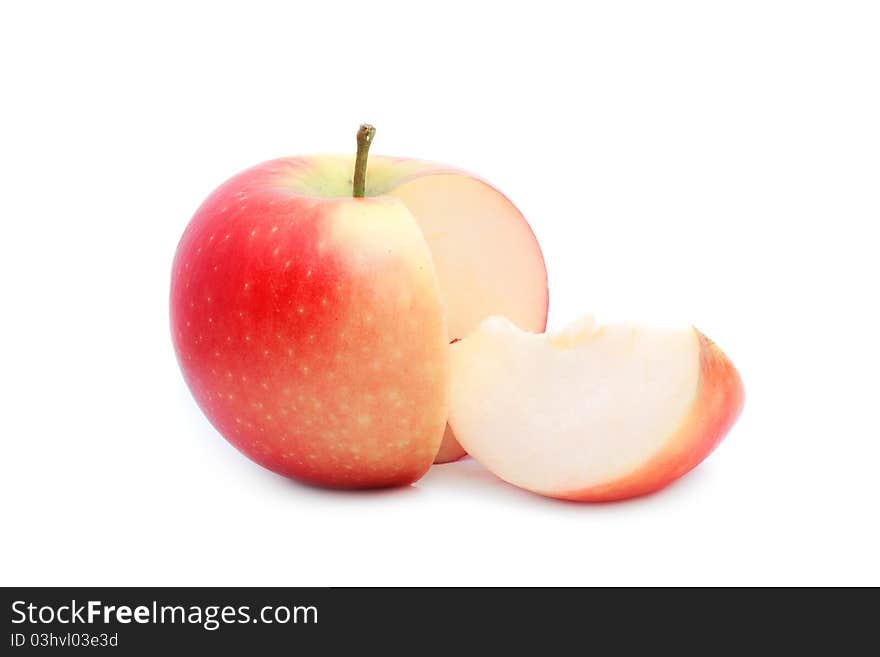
313,327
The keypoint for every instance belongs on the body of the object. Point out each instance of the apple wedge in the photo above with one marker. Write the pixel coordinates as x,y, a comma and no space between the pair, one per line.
593,413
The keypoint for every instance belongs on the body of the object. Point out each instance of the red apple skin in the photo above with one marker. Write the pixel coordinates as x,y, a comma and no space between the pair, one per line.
321,356
716,407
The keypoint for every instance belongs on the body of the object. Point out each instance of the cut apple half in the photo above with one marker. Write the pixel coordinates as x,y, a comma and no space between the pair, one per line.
595,412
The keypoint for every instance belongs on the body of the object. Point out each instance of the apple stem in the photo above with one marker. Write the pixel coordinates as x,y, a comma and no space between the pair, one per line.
364,139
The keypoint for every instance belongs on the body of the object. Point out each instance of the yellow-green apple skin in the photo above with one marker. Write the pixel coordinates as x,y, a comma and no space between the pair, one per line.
313,328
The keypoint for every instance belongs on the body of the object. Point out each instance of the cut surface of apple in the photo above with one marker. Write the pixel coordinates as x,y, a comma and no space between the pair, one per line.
595,412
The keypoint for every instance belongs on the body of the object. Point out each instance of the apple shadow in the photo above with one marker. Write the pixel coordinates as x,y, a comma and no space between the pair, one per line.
380,492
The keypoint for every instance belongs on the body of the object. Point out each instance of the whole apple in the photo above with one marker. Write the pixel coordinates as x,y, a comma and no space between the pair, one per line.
313,300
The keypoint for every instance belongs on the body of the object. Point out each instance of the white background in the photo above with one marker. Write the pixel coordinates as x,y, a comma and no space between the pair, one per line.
714,162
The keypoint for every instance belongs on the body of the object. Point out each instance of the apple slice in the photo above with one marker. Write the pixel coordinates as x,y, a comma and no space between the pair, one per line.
594,413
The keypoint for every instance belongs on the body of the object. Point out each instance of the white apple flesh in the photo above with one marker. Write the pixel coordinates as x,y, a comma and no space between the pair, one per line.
594,413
